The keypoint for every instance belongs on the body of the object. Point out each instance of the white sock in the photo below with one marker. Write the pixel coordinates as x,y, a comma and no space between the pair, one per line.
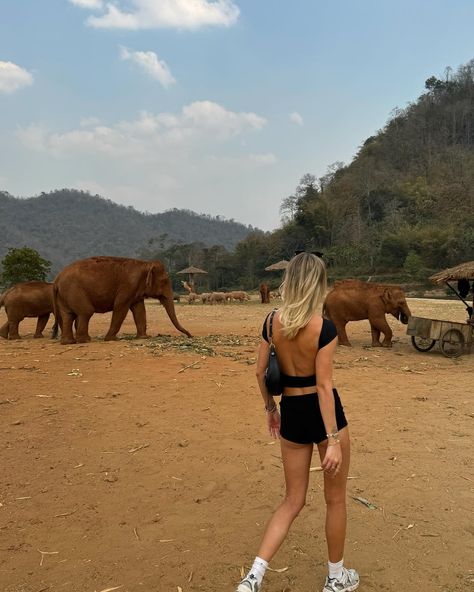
258,569
335,569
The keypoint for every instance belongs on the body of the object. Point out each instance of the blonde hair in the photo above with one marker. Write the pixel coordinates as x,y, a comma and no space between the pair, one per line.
303,288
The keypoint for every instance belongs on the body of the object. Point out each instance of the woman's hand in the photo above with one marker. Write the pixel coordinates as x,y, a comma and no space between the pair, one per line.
332,459
273,422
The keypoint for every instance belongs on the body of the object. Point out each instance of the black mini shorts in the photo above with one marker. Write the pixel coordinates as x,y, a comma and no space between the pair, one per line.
301,419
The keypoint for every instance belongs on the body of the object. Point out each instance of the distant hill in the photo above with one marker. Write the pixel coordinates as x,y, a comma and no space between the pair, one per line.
406,201
67,224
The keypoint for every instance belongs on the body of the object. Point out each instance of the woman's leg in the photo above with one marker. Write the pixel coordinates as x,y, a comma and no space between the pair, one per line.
296,464
335,496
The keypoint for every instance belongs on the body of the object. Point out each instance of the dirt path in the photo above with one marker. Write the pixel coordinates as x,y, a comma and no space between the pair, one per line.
145,465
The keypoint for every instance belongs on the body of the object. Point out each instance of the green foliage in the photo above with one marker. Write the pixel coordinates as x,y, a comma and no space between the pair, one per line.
406,201
413,265
23,265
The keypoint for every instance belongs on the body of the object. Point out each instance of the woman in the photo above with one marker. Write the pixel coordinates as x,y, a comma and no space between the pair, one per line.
311,413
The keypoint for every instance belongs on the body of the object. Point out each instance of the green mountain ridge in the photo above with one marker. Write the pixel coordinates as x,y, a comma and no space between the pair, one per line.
68,224
406,201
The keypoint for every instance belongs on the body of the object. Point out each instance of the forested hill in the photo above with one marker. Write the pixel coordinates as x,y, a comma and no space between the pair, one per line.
407,198
67,224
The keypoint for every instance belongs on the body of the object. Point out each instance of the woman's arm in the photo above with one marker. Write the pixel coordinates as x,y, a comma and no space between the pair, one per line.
323,367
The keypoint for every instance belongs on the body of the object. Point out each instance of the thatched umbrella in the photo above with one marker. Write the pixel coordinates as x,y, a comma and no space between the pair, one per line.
283,264
191,272
462,274
463,271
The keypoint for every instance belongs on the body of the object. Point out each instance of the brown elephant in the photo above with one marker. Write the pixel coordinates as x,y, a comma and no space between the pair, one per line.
27,299
353,300
264,293
104,284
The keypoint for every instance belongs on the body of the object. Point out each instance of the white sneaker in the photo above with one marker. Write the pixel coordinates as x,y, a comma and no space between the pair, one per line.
348,582
249,584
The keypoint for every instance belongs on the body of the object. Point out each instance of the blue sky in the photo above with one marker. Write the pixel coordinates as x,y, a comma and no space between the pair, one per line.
216,106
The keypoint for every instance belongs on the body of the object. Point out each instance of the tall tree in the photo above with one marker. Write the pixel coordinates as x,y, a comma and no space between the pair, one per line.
22,265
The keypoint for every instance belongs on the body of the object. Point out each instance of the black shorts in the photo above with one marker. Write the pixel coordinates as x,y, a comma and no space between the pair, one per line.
301,419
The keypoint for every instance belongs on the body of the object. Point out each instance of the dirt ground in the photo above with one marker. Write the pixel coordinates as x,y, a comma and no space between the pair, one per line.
146,465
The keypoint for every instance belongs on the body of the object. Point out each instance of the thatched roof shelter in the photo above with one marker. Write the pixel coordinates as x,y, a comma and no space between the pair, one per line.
283,264
191,271
463,271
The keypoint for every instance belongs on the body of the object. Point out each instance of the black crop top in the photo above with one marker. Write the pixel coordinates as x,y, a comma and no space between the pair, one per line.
328,334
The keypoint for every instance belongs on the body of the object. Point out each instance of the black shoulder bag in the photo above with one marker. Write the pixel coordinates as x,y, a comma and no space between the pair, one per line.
273,380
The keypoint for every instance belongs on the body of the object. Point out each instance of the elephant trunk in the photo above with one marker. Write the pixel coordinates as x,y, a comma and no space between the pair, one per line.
404,314
167,302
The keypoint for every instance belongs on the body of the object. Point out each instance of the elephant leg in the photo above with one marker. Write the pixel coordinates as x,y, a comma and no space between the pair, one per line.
139,316
82,328
13,328
341,333
375,336
66,321
381,325
40,325
118,317
4,331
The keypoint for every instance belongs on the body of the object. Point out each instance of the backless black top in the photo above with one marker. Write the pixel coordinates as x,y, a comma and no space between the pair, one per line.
328,334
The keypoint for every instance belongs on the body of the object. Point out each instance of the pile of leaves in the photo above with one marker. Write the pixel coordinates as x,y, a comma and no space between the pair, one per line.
209,345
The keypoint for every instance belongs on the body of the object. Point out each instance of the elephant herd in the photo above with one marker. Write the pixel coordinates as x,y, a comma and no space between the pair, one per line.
118,284
97,284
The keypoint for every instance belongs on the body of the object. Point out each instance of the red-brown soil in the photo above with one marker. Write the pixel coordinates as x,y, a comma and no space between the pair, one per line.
146,465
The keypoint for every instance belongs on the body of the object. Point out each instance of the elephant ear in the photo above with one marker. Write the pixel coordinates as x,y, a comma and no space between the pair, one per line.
149,278
386,296
156,278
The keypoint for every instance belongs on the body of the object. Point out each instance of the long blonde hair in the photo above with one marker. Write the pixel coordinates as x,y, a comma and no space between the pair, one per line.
303,288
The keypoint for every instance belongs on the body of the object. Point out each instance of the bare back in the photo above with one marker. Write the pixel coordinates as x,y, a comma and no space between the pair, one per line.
297,356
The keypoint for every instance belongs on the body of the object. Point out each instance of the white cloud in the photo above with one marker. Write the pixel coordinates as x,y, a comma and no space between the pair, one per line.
89,121
158,160
13,77
179,14
150,63
34,137
91,4
149,137
296,118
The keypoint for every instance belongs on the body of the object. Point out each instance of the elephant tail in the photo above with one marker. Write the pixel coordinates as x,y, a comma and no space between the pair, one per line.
55,329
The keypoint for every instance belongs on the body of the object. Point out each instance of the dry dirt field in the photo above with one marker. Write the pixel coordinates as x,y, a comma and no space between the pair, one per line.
146,465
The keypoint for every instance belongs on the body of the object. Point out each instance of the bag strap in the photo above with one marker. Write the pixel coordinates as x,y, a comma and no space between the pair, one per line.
270,327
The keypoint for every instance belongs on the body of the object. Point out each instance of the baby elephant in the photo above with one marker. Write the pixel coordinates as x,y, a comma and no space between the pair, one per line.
28,299
354,300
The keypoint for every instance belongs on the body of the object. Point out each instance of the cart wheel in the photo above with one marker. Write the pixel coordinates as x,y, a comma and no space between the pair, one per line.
422,344
452,343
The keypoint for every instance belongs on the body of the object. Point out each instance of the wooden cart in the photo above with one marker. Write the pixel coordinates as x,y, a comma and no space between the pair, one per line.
453,338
